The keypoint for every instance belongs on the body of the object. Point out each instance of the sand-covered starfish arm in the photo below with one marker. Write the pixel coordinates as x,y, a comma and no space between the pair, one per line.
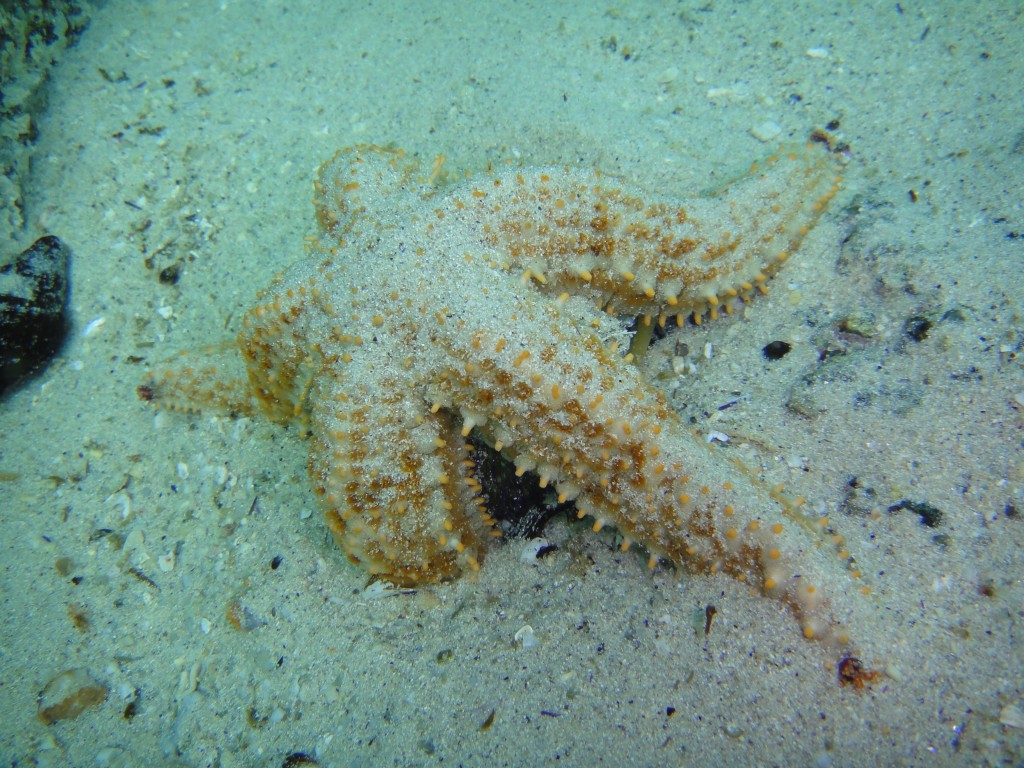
633,252
557,403
422,314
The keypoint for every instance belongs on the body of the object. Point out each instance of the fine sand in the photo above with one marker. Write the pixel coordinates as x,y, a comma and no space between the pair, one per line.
180,559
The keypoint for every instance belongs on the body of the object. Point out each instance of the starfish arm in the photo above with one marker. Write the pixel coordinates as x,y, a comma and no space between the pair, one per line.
556,402
637,253
199,380
279,363
395,480
358,183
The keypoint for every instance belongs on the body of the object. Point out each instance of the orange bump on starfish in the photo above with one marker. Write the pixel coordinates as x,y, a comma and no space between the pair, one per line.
423,314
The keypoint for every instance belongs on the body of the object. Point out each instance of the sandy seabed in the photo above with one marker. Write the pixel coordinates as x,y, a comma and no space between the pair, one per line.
181,559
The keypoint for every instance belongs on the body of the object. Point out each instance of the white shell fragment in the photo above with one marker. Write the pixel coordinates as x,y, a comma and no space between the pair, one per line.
525,636
94,326
379,589
1012,715
532,548
166,562
682,366
123,500
769,130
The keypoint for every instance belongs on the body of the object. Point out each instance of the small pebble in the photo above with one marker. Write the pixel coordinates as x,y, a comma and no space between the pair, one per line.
769,130
1012,715
221,475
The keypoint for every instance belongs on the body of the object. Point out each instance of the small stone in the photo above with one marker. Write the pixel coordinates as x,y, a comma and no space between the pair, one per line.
1012,715
766,131
895,672
930,515
776,350
33,309
733,730
171,274
68,695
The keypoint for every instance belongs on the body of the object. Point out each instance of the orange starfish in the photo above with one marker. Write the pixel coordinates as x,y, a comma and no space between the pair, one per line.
420,316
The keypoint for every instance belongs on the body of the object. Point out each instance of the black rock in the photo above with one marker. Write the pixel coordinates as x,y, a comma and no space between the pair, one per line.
930,516
33,309
776,350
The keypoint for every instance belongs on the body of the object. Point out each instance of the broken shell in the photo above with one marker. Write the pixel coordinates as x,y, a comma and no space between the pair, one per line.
532,549
525,636
166,562
68,695
1012,716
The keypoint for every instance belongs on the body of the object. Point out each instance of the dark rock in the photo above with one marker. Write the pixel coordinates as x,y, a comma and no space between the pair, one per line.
930,515
33,309
776,350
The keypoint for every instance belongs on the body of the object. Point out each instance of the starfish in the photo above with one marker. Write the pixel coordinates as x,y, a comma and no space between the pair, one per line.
424,312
